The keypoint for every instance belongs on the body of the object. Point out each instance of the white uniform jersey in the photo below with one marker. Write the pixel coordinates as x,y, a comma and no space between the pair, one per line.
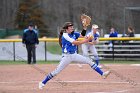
95,36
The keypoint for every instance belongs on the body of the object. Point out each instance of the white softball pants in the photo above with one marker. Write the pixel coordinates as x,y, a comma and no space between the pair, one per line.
87,47
68,58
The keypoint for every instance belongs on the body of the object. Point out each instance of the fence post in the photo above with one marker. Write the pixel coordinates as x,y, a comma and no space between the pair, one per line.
113,49
14,50
45,51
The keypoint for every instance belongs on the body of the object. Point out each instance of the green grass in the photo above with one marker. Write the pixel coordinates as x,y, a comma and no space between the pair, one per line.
23,62
56,62
11,62
53,48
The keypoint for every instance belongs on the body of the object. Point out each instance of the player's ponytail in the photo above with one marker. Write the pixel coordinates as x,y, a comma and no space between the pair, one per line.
60,37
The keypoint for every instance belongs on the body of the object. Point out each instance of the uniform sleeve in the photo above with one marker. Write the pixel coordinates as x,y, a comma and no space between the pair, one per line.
37,41
36,31
65,35
24,37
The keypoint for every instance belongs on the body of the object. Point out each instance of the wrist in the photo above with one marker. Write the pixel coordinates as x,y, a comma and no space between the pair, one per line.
83,33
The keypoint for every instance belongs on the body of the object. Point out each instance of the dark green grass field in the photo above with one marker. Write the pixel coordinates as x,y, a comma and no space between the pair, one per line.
56,62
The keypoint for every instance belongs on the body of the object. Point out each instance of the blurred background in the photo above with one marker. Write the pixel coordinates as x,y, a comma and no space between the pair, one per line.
50,15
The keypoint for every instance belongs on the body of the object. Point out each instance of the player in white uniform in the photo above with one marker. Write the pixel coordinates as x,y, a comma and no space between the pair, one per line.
90,46
69,53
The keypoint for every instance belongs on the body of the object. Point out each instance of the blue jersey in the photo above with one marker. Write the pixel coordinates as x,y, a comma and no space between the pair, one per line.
114,34
67,39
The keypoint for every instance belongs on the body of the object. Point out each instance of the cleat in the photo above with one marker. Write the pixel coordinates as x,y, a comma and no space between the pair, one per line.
105,74
41,85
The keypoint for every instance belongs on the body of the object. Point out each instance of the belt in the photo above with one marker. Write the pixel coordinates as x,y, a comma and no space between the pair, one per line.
70,53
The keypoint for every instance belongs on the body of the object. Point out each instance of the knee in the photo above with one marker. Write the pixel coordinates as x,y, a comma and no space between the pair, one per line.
55,72
96,57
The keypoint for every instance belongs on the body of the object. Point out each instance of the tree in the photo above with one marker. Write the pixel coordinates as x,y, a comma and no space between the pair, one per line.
29,11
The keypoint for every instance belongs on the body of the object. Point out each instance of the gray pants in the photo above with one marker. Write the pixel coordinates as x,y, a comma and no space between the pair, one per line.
31,53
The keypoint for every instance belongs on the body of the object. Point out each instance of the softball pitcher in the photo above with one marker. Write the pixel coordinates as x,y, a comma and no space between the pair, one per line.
69,53
90,46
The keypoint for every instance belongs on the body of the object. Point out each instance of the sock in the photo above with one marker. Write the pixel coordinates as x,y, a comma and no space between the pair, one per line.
96,59
49,76
97,69
97,62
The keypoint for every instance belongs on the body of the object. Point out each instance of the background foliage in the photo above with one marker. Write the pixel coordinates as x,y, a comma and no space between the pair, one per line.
50,15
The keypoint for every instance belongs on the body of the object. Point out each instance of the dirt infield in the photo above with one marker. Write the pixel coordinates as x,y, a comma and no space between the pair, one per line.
73,79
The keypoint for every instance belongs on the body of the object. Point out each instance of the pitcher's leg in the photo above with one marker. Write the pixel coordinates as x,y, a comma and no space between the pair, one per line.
64,63
97,69
84,49
95,54
86,60
48,77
